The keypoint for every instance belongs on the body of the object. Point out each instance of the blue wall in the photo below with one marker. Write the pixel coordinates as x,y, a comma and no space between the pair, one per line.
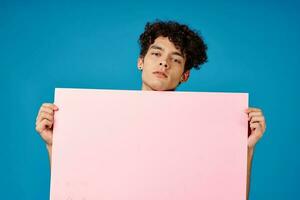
253,47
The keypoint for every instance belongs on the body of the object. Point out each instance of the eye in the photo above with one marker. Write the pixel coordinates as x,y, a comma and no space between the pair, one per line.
178,61
156,54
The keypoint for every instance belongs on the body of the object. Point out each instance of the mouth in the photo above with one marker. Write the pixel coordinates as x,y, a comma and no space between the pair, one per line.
160,74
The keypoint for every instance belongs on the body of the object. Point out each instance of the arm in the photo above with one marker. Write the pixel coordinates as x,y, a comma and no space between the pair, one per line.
257,127
49,149
44,125
249,165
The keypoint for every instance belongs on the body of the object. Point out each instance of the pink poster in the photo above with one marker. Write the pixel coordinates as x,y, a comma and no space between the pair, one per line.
147,145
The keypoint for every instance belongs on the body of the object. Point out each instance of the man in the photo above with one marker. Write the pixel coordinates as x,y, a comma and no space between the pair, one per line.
169,51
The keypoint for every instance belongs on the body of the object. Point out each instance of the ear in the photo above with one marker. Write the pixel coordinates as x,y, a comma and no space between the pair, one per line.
185,76
140,63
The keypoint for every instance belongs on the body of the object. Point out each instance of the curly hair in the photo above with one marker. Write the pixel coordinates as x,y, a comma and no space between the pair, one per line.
188,41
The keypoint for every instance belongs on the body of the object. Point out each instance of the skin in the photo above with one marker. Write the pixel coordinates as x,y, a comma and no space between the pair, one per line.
161,56
164,57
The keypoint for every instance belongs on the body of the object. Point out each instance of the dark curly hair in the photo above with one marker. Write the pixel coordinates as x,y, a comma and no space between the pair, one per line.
188,41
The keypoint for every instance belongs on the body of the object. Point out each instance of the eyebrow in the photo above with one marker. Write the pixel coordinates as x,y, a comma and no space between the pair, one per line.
160,48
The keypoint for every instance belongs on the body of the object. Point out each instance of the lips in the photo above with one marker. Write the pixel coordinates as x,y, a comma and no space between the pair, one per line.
160,74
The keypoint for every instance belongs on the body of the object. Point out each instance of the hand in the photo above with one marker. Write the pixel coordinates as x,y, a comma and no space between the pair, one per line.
44,122
257,126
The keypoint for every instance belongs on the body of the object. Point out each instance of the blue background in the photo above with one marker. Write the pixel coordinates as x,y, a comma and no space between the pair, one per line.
253,47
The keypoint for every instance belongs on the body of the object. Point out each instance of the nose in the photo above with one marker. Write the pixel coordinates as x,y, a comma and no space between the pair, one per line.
164,64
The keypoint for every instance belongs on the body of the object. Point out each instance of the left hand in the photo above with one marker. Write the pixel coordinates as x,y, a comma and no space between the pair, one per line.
257,126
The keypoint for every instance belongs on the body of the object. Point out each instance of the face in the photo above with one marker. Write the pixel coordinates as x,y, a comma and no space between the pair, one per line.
162,66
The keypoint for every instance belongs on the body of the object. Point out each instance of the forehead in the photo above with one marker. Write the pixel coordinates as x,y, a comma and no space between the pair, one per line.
165,43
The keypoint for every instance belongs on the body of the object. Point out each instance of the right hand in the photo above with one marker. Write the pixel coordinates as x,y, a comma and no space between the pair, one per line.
44,122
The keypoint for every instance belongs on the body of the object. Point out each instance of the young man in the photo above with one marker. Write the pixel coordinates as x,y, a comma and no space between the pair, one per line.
169,51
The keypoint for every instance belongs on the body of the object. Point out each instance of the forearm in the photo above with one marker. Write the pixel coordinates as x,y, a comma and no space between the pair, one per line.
49,149
249,165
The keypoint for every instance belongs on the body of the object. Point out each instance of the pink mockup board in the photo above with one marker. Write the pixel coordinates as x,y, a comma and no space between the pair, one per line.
148,145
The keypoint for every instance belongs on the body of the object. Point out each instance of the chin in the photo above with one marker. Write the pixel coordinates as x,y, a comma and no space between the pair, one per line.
158,87
155,85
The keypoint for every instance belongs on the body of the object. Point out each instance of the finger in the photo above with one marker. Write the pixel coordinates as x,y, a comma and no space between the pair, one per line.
257,134
254,125
261,123
47,110
55,107
44,115
257,119
50,105
44,124
47,107
253,114
252,109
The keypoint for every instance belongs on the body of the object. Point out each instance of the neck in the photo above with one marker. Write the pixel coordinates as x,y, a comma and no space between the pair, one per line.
148,88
